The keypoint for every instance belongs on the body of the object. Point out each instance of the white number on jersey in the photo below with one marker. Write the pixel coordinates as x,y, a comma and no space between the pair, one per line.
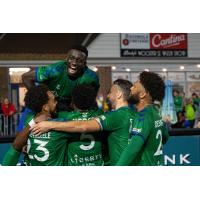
159,149
91,145
41,147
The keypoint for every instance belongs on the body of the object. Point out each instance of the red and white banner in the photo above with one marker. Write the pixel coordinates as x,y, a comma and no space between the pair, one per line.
168,41
154,45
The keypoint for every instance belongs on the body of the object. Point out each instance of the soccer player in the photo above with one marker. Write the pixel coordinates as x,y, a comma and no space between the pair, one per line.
63,76
47,149
149,132
84,149
117,122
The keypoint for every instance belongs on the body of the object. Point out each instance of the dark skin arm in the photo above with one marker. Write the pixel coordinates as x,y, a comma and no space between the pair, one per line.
21,139
28,78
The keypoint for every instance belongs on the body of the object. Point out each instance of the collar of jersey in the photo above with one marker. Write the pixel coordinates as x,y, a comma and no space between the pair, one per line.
145,108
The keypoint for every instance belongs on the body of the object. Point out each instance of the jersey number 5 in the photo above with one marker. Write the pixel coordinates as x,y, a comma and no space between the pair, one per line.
91,145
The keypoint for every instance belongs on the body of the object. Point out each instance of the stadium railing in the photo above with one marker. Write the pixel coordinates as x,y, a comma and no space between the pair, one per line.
8,125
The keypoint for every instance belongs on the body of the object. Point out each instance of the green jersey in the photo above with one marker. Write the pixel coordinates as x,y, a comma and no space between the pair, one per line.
84,149
146,139
48,149
118,124
56,78
178,102
11,158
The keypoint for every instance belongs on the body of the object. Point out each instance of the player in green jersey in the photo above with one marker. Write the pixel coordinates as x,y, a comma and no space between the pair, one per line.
117,122
84,149
149,132
49,148
63,76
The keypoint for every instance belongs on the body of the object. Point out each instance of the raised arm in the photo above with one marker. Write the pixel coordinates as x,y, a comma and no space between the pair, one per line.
28,78
21,139
71,126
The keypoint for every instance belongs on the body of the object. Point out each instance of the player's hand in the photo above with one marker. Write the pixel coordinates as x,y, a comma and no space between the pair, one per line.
41,127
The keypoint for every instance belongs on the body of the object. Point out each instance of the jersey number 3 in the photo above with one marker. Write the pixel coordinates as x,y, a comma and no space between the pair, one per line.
41,147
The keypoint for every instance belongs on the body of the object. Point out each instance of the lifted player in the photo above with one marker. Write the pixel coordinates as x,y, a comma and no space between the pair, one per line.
63,76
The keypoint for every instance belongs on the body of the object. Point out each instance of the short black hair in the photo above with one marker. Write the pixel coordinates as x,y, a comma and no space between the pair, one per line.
84,96
36,97
80,48
125,86
153,84
194,94
176,91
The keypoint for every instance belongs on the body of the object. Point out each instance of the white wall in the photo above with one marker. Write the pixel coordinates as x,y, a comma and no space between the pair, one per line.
194,45
106,45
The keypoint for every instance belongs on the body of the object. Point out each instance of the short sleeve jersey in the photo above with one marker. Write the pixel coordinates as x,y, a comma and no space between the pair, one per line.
84,149
48,149
118,124
56,78
149,127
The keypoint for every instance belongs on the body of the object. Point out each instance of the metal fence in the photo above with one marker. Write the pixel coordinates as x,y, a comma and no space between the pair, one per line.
8,124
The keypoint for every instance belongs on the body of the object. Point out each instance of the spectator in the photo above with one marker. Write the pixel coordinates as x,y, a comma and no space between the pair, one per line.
190,113
8,111
178,101
195,99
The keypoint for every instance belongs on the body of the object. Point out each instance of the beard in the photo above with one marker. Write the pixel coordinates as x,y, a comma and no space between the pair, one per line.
134,99
54,114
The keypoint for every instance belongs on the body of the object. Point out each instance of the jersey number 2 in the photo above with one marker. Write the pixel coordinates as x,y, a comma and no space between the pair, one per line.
159,149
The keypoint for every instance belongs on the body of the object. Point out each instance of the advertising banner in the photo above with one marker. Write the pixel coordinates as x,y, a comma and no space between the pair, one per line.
153,45
178,151
182,151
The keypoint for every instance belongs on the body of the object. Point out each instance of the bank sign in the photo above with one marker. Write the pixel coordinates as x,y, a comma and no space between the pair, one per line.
153,44
182,151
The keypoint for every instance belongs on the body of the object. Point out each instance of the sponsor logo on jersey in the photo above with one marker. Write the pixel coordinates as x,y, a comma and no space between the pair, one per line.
86,161
158,123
